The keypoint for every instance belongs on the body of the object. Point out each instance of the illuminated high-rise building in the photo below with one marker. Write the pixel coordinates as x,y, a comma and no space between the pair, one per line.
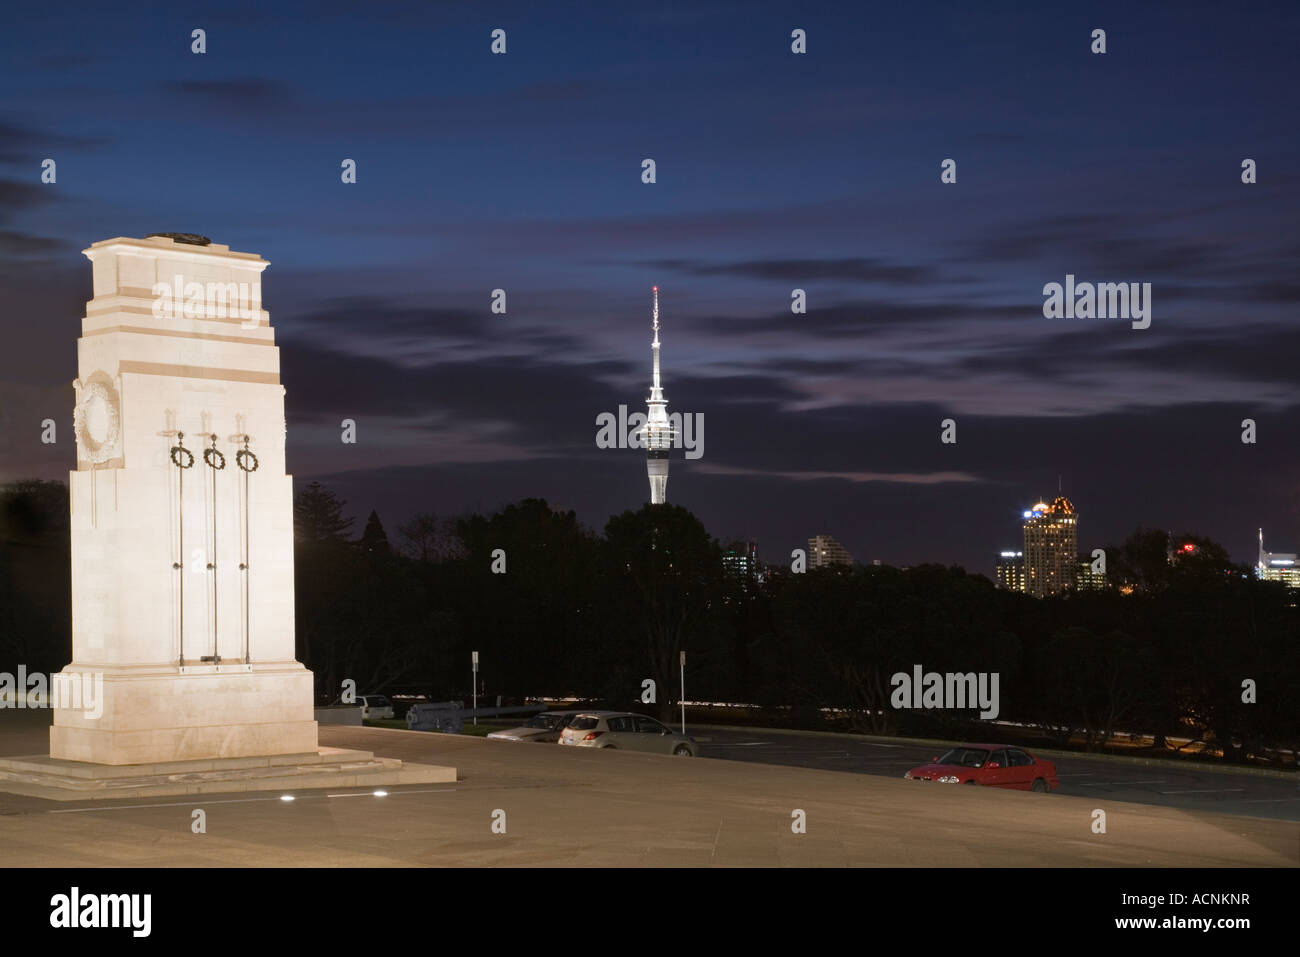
657,434
1089,578
741,558
1051,547
824,550
1277,566
1011,570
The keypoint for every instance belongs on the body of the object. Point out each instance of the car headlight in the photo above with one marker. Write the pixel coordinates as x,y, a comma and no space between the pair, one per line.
949,779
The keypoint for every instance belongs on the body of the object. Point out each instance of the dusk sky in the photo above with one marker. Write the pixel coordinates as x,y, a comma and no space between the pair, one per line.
775,171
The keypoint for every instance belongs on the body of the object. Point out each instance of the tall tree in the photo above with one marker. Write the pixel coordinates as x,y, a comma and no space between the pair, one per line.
318,515
373,539
427,538
670,572
528,600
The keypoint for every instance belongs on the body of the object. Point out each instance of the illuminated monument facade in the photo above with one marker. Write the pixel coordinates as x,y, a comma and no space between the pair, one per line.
658,433
182,514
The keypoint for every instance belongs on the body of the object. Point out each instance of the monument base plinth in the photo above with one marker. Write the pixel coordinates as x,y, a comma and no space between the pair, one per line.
152,715
58,780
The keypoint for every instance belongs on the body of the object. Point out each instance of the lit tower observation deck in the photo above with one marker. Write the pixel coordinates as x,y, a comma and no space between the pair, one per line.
658,433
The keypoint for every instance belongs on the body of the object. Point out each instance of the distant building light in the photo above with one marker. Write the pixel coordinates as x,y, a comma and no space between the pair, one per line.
1282,561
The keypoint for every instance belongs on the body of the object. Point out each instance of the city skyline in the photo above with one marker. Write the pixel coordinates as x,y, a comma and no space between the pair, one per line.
775,172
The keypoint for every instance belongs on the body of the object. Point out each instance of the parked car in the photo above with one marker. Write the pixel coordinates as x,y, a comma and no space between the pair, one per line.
622,729
402,703
544,728
993,765
374,707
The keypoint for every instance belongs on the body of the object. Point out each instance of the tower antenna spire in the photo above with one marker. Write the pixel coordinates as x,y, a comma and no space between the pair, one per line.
655,389
658,433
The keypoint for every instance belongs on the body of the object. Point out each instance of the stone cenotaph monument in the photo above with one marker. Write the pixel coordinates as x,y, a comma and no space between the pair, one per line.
182,514
182,542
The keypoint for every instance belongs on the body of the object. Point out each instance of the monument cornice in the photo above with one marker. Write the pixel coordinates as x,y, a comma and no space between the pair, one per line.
134,367
180,333
182,251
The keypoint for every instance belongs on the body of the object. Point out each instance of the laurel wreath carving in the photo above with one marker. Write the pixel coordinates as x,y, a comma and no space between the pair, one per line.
101,450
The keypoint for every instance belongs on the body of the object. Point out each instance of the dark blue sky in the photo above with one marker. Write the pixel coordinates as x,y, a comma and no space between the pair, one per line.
775,171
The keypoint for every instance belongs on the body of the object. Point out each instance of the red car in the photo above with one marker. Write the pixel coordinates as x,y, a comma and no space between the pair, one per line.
994,765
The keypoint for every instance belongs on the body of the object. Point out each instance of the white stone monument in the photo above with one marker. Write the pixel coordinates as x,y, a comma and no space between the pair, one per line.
182,515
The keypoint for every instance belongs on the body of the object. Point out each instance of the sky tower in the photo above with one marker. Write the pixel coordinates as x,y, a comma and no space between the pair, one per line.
658,433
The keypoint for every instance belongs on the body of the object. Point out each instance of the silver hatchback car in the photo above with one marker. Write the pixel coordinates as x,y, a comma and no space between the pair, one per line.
631,732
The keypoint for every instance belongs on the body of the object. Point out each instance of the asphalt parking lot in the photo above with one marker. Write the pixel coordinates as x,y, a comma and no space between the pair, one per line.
1162,784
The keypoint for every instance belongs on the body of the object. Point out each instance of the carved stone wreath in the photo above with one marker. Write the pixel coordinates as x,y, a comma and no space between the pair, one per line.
97,420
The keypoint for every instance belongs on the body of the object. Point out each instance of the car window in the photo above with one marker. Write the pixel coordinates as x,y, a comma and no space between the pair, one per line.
378,701
649,726
584,723
965,757
1000,757
620,723
1019,759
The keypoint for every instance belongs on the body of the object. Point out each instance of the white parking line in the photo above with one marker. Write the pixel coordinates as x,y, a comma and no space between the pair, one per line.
1110,784
1269,800
1204,791
742,744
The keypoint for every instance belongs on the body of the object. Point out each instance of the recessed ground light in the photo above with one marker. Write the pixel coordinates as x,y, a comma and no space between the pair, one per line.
381,794
286,797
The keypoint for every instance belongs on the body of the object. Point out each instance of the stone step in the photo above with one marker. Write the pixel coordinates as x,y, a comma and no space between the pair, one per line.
39,776
44,764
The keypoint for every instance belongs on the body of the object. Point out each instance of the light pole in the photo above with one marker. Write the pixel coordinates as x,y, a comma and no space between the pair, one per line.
683,698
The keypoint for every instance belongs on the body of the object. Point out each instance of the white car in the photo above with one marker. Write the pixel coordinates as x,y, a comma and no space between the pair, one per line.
623,729
374,707
544,728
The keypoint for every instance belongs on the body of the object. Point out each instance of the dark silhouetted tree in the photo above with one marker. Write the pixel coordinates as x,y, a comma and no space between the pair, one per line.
670,577
318,515
374,540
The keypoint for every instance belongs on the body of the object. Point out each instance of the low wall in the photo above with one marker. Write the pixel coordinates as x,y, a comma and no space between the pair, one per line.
340,714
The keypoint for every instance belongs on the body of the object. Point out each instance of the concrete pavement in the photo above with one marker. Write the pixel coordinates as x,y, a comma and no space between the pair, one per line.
578,807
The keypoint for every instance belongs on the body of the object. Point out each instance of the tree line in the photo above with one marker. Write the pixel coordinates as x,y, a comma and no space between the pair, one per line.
1188,650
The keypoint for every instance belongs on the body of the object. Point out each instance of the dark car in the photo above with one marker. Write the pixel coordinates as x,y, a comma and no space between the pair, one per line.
993,765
